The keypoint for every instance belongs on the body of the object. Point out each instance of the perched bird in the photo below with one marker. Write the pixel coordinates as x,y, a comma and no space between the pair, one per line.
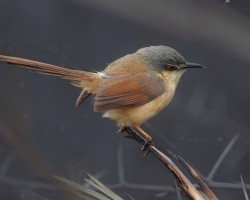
131,90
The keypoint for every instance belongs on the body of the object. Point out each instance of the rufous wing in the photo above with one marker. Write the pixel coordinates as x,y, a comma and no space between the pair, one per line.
122,91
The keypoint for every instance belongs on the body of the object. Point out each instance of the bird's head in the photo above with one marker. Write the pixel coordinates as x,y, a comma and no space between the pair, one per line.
166,61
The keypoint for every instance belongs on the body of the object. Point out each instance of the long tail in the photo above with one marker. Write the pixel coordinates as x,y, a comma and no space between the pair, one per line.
80,78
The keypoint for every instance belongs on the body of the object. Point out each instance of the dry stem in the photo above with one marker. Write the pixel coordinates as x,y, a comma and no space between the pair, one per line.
187,186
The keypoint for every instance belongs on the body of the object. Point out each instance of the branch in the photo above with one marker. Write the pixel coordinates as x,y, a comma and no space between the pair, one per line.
244,188
187,186
201,183
221,157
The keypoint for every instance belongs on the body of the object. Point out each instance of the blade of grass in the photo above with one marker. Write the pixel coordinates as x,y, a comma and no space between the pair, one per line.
73,187
105,188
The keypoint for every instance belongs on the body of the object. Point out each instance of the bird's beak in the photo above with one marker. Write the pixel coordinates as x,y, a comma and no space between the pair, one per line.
193,65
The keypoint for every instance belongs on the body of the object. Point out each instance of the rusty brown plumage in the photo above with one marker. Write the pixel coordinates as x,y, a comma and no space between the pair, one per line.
131,90
75,76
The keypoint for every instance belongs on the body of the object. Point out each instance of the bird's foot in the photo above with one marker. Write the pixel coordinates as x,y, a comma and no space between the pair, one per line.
134,135
146,145
121,129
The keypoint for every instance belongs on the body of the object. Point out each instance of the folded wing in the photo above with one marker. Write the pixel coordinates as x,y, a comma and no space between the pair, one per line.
122,91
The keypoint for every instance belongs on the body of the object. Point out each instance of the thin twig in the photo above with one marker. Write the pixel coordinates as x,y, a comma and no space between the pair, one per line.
129,197
224,185
163,188
136,186
201,183
222,157
187,186
244,188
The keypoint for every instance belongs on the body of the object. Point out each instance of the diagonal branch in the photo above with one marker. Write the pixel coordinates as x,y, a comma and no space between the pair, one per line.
201,183
187,186
221,158
244,188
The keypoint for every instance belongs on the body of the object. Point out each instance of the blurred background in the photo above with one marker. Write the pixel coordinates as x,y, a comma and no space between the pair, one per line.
209,109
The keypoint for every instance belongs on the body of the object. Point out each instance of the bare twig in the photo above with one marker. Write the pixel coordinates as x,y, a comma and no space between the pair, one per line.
225,185
129,197
244,188
8,134
201,183
187,186
222,157
135,186
122,183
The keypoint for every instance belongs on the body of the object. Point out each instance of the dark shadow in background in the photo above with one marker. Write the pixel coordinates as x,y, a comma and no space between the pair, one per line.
209,107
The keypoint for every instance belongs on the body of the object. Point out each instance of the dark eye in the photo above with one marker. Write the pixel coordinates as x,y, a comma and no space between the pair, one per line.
171,67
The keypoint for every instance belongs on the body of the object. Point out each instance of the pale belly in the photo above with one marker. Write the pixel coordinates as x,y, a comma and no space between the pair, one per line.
135,116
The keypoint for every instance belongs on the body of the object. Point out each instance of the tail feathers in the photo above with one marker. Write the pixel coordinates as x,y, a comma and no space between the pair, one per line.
82,97
74,75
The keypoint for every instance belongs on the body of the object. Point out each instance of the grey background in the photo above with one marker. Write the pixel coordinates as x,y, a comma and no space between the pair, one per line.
210,106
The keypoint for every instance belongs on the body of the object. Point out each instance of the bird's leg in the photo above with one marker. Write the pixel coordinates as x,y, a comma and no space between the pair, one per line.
145,135
132,134
149,140
145,138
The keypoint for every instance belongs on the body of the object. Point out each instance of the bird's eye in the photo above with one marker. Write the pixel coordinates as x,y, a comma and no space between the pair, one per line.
171,67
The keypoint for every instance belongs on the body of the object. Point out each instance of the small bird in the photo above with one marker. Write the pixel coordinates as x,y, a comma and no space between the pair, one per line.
131,90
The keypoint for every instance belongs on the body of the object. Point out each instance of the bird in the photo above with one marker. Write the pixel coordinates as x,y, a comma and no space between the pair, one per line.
130,90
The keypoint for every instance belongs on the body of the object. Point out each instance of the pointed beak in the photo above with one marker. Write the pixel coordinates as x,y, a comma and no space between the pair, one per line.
193,65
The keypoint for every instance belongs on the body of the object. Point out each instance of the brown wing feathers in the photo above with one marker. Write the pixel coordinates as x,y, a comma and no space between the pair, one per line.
117,92
112,92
